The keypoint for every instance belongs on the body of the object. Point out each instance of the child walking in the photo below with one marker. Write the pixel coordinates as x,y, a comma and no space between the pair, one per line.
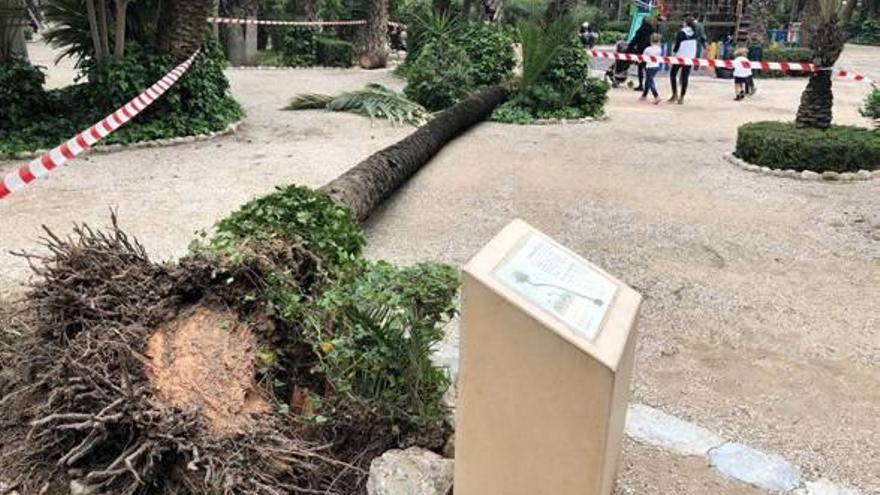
651,68
741,74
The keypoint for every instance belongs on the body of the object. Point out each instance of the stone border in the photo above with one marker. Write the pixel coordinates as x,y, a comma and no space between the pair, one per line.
156,143
651,426
805,174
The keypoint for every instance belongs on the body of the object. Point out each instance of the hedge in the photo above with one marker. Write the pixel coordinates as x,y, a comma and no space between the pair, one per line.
776,53
782,145
333,52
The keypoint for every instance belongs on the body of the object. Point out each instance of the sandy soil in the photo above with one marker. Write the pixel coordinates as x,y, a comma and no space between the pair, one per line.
761,314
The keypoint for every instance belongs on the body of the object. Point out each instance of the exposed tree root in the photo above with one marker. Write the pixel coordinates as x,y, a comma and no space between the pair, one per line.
77,402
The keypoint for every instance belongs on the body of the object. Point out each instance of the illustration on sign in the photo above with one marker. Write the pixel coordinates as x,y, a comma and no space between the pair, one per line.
560,284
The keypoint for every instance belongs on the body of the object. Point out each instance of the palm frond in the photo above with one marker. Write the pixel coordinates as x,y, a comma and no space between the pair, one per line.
541,43
309,102
375,101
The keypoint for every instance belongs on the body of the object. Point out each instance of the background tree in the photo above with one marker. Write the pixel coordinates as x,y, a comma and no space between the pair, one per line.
12,30
560,8
182,25
760,13
826,24
374,54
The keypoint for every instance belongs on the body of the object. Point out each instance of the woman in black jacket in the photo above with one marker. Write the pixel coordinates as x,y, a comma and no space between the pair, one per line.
640,41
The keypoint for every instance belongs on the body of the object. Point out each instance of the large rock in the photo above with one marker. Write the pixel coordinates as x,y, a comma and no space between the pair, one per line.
413,471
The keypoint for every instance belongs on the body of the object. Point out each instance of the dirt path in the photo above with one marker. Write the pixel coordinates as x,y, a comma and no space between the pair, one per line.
761,315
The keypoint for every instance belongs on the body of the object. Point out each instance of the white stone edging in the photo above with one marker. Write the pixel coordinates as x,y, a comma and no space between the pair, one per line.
155,143
805,174
651,426
580,121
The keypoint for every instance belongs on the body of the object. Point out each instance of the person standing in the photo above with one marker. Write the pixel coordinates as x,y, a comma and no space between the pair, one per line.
741,74
652,66
755,54
685,47
642,40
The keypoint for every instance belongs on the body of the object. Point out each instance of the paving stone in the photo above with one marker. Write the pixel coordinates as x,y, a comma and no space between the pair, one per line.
809,175
652,426
748,465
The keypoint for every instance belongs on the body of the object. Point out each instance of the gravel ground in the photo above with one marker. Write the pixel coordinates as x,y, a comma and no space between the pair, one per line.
760,320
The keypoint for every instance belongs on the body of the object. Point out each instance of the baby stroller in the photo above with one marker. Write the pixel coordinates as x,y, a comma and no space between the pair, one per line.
618,73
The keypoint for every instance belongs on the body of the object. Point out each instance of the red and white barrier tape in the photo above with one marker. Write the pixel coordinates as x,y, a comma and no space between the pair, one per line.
725,63
262,22
39,167
229,20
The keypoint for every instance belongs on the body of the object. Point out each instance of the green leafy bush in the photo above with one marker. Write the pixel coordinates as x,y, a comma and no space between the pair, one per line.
563,90
297,216
490,52
619,26
440,76
375,336
869,33
300,45
21,93
872,104
778,53
782,145
449,59
611,37
332,52
199,103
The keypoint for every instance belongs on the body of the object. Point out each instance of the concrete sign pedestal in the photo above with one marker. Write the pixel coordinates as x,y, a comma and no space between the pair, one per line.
547,347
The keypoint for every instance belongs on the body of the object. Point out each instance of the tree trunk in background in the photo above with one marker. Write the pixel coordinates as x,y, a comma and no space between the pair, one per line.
182,25
119,42
466,7
374,52
560,8
759,11
440,6
492,10
364,187
241,41
93,29
102,26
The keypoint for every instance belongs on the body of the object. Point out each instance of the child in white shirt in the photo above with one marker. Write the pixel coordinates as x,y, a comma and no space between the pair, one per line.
652,67
741,74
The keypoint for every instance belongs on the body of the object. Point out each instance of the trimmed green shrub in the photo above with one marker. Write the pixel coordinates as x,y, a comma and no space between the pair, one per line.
199,103
872,104
332,52
440,76
777,53
299,47
620,26
869,33
782,145
611,37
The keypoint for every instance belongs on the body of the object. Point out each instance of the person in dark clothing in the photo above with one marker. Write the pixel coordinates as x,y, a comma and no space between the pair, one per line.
755,54
640,41
685,47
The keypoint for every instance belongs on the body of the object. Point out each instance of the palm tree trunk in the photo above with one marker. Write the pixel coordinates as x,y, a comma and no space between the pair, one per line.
364,187
182,25
121,13
374,54
816,102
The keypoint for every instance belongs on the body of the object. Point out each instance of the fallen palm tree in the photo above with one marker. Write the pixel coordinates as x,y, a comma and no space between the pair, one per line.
272,359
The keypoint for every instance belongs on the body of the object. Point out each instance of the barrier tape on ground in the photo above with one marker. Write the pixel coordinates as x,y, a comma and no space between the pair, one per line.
725,63
39,167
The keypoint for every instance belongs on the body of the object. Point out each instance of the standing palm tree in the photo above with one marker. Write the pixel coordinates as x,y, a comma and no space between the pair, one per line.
826,27
374,54
182,25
